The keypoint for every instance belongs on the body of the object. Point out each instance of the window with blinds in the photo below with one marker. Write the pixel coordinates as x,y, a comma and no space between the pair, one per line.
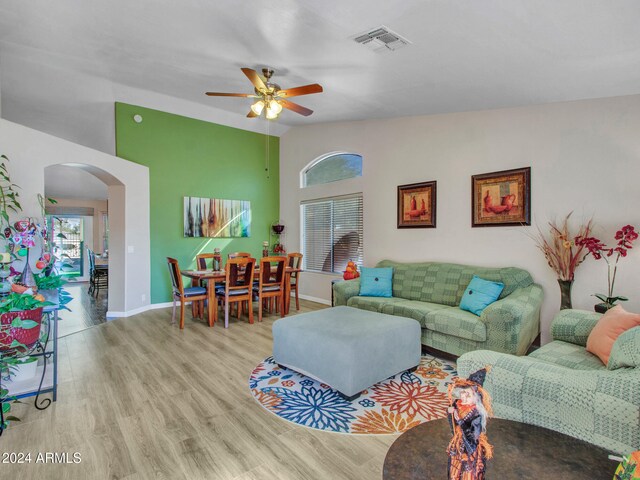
331,233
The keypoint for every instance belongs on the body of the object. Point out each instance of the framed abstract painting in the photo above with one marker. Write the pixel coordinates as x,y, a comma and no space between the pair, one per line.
417,205
501,198
216,218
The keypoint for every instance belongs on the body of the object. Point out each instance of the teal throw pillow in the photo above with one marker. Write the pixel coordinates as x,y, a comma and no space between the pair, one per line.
480,294
376,282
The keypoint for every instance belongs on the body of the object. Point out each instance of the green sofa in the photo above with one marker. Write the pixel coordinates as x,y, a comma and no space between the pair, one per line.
430,293
563,387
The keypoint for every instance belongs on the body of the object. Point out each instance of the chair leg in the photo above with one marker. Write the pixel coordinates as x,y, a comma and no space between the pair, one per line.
173,313
226,313
282,312
297,300
251,312
181,314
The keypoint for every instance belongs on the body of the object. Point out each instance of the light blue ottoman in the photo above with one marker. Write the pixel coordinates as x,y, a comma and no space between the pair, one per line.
347,348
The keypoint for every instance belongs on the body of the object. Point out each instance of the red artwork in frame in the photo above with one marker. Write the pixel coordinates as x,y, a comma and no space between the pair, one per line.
417,205
501,198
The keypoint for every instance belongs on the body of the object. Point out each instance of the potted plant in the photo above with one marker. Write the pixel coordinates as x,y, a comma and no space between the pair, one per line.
625,237
20,322
563,253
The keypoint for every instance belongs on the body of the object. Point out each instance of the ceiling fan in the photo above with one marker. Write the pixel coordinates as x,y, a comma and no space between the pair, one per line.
270,97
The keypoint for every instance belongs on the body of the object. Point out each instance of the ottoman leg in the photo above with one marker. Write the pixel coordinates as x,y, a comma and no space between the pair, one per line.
412,369
349,399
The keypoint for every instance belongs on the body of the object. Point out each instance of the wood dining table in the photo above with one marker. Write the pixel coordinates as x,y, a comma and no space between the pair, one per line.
214,277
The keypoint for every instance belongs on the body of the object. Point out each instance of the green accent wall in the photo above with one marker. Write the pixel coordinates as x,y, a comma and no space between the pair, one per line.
188,157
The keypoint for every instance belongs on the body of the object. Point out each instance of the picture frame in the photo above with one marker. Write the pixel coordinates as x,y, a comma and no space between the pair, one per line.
500,199
216,218
417,205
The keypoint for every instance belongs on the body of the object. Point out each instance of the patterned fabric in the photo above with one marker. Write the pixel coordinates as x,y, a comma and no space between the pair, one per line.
597,405
412,309
511,323
567,355
445,283
574,326
626,350
388,407
458,323
373,304
344,290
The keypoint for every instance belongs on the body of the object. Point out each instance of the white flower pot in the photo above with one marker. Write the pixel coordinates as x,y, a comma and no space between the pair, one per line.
25,370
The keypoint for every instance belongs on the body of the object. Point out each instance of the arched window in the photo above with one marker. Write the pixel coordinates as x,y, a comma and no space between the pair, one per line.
331,168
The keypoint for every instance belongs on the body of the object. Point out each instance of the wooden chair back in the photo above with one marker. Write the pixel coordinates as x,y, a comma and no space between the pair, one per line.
176,278
270,276
294,262
239,273
202,258
239,255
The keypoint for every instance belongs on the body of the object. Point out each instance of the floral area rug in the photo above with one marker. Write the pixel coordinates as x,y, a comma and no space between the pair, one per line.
391,406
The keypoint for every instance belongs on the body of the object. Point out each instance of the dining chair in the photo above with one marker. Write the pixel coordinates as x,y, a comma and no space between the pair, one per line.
201,264
271,283
238,286
192,294
98,274
203,258
295,263
239,255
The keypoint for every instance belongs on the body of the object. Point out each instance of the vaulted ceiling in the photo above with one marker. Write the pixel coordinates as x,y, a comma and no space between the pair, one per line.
63,63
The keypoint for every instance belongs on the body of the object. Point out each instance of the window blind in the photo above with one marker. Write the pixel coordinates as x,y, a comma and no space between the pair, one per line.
332,233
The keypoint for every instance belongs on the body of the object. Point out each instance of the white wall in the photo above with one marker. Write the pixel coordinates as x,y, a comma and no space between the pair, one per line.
584,157
31,151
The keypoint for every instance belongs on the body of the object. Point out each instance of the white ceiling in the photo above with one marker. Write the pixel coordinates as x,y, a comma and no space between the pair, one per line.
62,181
63,63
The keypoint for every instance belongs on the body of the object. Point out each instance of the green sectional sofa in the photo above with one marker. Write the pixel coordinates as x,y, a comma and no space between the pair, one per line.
563,387
430,293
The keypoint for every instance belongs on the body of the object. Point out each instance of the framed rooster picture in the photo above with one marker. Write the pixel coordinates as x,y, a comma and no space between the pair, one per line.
417,205
501,198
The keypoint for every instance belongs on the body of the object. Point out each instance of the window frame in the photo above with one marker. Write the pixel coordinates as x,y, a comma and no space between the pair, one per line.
322,158
331,228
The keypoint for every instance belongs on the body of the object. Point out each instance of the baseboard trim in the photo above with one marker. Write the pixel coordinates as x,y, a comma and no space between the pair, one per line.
155,306
129,313
315,299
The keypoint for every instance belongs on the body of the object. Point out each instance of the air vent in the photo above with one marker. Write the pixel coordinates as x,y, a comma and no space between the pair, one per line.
381,39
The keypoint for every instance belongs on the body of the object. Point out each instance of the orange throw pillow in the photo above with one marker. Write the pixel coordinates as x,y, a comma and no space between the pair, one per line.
612,324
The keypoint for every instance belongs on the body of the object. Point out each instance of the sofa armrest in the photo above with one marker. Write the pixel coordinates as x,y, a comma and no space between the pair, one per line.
598,406
513,323
574,326
343,291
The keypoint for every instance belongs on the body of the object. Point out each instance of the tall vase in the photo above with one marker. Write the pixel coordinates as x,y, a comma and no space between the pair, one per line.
565,293
27,277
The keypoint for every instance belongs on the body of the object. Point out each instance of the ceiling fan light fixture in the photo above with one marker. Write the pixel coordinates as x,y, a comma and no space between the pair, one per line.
271,114
258,107
275,107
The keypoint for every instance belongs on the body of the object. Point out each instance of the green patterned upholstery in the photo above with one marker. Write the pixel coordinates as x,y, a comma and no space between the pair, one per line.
458,323
431,293
564,388
626,350
568,355
412,309
445,283
574,326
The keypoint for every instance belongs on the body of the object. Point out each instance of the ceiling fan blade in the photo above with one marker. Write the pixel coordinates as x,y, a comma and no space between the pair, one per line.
255,78
251,114
297,91
295,107
218,94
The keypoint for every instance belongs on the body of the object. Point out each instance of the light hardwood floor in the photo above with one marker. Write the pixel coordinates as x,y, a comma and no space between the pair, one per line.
141,399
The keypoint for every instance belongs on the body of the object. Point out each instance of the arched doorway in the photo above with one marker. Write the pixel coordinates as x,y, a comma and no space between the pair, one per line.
31,152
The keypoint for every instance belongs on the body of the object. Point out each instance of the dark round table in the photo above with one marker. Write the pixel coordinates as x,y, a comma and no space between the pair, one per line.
520,451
